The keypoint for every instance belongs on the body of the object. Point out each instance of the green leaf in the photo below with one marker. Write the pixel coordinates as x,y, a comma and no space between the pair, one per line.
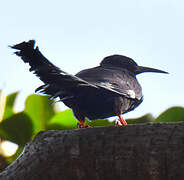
17,128
174,114
99,122
66,120
142,119
58,126
40,110
2,104
63,120
15,156
9,105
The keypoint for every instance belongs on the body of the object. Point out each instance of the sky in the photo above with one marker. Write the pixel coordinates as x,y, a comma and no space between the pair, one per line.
75,35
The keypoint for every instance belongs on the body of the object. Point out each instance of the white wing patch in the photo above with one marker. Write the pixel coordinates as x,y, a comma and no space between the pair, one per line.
128,93
131,93
107,85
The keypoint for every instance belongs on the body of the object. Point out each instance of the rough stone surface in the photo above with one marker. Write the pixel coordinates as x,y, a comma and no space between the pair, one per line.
152,151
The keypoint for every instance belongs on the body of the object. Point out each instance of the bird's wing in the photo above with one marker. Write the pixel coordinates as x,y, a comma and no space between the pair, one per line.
56,81
115,80
59,83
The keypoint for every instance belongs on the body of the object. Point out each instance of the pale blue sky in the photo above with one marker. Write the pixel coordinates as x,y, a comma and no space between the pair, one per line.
78,34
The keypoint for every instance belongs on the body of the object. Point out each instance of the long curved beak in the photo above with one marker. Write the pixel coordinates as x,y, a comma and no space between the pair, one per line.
142,69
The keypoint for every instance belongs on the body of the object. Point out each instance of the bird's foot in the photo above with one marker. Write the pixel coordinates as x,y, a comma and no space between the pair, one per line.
82,125
120,121
117,122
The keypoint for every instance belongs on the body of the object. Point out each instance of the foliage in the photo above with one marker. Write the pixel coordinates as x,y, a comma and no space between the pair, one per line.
174,114
39,115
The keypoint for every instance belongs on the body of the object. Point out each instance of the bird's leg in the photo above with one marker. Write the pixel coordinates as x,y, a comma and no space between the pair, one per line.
81,120
121,121
81,124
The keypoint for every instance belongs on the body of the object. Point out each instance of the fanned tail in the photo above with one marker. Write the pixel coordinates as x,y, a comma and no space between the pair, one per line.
56,82
39,64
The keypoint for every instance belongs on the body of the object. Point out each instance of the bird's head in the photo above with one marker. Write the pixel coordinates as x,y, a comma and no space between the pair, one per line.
127,63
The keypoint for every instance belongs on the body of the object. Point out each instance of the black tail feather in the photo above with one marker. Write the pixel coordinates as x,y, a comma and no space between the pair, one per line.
56,82
30,54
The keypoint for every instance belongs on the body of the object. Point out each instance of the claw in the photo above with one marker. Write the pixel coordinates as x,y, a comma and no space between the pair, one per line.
81,124
117,122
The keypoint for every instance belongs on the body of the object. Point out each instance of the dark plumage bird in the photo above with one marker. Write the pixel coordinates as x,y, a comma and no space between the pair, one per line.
110,89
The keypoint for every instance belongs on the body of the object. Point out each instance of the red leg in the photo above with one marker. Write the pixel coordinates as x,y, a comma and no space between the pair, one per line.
81,120
81,124
122,120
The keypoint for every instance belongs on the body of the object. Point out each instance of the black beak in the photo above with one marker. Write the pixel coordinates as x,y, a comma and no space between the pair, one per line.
142,69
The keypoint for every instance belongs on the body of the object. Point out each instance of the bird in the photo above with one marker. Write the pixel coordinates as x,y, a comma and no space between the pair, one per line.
110,89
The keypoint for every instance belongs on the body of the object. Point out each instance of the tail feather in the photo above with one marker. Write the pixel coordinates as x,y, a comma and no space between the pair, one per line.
39,64
56,82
